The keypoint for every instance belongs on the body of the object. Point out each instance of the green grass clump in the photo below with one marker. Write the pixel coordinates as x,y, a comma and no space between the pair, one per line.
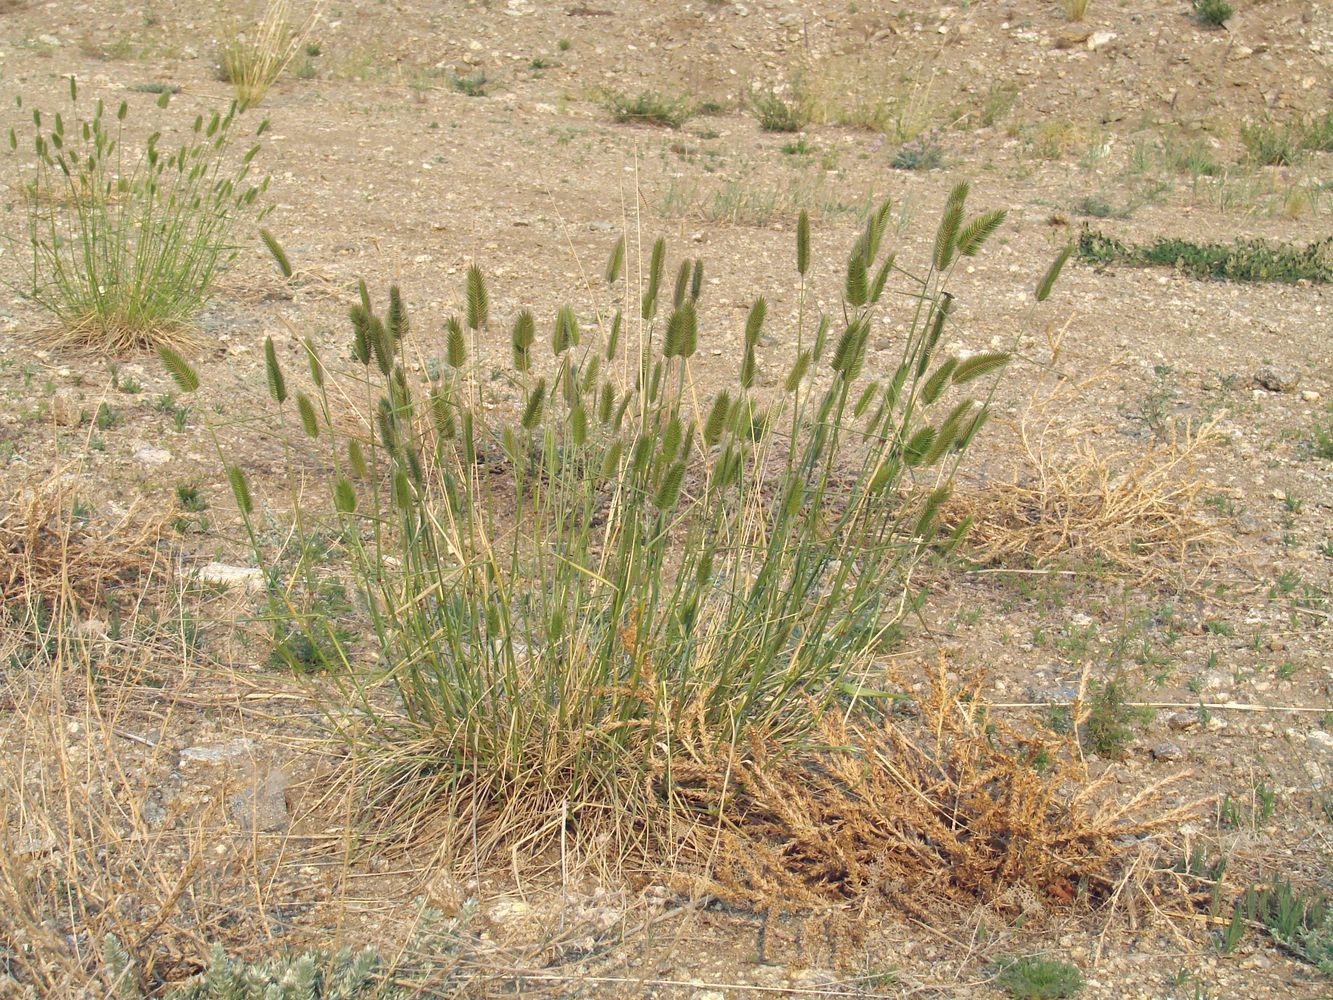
1273,144
1244,260
1321,437
1036,978
124,247
1301,922
472,84
777,115
1214,13
649,108
575,594
1111,720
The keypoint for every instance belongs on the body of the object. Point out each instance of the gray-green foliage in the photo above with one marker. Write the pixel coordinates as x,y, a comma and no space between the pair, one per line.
309,974
125,244
618,563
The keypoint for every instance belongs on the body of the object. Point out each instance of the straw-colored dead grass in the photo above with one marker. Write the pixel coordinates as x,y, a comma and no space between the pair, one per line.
1133,506
47,554
945,805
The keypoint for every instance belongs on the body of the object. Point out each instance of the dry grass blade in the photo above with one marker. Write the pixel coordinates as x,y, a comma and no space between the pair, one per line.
1136,510
251,64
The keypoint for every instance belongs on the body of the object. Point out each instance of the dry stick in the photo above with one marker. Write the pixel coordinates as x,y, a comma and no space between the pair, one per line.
1235,706
823,991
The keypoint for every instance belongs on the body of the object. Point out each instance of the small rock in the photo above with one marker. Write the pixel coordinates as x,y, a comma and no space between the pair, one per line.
262,805
1309,395
1276,379
1100,39
223,575
1320,740
152,456
1167,751
218,752
1181,721
65,408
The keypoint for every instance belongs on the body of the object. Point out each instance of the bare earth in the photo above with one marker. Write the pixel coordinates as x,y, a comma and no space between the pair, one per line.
382,169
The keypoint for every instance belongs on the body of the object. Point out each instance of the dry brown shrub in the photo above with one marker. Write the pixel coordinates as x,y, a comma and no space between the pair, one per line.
1132,507
950,805
48,553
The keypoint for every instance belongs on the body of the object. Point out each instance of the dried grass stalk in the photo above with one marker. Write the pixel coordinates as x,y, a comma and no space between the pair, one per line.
951,806
46,552
1134,508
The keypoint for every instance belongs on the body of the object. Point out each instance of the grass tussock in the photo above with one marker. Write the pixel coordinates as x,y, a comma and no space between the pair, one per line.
125,246
612,562
1136,510
649,108
252,62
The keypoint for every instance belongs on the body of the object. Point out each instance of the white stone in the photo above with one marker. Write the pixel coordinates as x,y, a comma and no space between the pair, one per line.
221,574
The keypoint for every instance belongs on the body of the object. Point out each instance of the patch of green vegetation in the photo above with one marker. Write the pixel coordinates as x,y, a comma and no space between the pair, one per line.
1212,12
777,115
471,84
1035,978
1244,260
923,152
1111,719
649,108
154,87
1299,921
1281,144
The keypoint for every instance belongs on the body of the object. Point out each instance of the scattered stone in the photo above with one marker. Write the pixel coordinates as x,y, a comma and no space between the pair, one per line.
1179,722
1167,751
152,456
262,805
1319,739
1276,379
218,752
65,408
1100,39
1309,395
220,574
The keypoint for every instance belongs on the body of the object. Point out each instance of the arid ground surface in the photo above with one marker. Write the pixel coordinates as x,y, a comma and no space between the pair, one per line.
1205,599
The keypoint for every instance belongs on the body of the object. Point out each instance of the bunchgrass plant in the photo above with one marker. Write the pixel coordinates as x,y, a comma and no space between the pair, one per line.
578,598
252,62
777,115
125,246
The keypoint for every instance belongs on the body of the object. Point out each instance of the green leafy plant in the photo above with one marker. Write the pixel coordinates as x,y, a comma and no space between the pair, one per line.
1036,978
1212,12
649,108
252,62
1244,260
778,115
124,249
922,152
1111,719
567,594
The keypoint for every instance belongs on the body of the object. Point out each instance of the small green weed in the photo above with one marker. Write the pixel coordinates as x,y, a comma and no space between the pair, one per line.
778,115
155,87
1300,921
1111,720
1036,978
649,108
472,84
923,152
1212,12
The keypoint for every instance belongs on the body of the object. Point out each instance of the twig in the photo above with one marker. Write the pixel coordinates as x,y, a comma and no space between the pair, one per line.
1234,706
